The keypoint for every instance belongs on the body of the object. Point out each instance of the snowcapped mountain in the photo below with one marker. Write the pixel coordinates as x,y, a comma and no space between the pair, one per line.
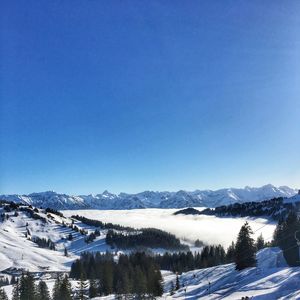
150,199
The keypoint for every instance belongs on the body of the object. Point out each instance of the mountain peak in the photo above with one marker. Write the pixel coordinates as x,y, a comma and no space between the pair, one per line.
179,199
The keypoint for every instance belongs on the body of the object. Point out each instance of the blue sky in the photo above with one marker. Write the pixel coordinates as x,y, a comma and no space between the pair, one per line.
159,95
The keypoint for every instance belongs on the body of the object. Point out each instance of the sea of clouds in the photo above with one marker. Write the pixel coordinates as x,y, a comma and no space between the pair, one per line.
209,229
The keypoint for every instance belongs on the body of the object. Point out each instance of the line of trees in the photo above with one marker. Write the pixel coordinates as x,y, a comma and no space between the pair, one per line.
186,261
146,237
135,274
128,237
100,224
25,289
275,208
43,243
54,211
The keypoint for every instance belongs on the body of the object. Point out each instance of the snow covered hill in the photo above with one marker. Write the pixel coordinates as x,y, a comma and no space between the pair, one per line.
270,280
150,199
18,251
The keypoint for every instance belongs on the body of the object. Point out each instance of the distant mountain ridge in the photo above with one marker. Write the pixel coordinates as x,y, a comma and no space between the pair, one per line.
150,199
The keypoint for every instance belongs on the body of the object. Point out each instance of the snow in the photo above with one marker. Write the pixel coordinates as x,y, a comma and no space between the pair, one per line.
209,229
19,252
269,280
150,199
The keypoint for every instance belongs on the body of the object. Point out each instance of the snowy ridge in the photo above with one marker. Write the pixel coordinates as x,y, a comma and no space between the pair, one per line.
150,199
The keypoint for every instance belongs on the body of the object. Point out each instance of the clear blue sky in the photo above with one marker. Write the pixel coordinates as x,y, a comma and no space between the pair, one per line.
160,95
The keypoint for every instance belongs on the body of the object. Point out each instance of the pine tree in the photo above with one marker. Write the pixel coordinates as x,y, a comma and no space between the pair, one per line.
156,287
27,287
140,283
177,283
16,291
13,280
3,295
65,290
56,288
230,255
245,249
107,280
260,242
82,288
284,237
42,291
93,288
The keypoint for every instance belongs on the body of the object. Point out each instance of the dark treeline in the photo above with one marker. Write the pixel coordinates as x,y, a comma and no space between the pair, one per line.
135,274
54,211
131,238
274,208
185,261
146,237
9,205
4,281
43,243
99,224
26,289
285,236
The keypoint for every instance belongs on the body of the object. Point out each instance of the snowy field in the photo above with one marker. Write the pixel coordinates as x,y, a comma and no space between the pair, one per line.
209,229
270,280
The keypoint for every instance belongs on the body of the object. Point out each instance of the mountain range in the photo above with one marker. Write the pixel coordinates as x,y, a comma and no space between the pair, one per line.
151,199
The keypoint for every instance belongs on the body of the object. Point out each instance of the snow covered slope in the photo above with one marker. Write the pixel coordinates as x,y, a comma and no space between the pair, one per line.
150,199
18,251
270,280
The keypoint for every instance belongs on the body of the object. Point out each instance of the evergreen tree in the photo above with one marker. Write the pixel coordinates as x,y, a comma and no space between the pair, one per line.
140,284
107,280
13,280
230,255
156,288
284,237
65,291
27,287
16,291
82,289
177,284
56,288
42,291
245,249
93,290
260,242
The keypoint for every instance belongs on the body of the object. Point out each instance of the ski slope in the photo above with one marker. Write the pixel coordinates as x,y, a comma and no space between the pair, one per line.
17,251
270,280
